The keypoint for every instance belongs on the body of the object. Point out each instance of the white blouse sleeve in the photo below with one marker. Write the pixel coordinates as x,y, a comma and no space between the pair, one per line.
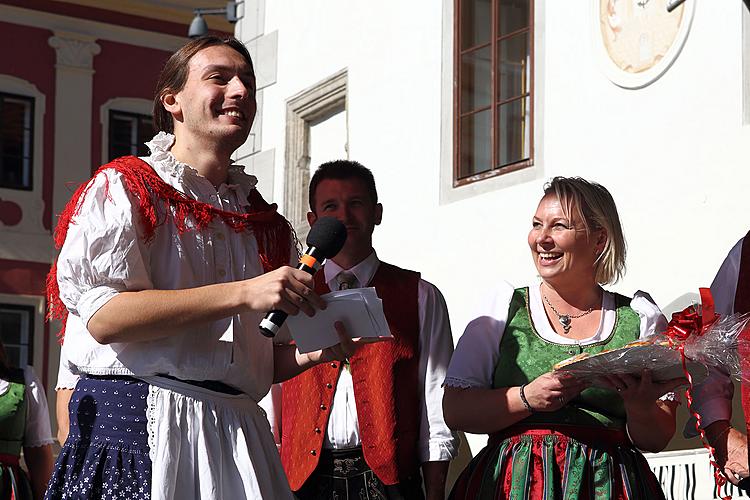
478,349
652,322
103,252
652,319
38,431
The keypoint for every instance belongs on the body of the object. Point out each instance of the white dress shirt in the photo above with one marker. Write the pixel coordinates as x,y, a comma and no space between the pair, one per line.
104,254
436,442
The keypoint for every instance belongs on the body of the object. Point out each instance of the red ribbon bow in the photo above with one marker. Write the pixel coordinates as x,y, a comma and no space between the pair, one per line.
688,322
683,325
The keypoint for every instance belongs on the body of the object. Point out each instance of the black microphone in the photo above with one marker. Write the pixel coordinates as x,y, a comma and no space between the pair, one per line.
325,239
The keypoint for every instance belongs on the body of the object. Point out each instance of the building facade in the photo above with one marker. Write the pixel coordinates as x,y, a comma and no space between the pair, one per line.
76,86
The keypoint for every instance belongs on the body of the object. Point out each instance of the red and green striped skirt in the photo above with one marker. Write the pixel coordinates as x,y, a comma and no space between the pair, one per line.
14,485
561,463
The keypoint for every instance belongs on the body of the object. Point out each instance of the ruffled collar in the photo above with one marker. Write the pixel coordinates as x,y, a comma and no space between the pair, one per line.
168,166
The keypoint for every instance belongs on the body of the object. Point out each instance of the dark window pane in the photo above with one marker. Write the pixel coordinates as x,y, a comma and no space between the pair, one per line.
475,144
512,15
476,28
513,66
128,133
11,172
16,333
10,327
146,132
16,141
122,129
514,127
14,355
476,81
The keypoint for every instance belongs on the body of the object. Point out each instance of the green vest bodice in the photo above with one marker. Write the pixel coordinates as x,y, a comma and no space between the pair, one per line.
13,415
525,355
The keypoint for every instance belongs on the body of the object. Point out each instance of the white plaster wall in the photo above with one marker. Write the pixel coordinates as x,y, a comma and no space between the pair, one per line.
672,153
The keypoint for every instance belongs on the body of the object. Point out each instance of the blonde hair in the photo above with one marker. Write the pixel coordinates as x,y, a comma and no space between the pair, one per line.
596,208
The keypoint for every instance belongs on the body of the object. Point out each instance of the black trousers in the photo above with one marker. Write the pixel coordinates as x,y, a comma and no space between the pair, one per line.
344,475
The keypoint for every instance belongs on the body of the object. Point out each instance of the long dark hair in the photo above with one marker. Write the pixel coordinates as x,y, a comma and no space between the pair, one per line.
174,75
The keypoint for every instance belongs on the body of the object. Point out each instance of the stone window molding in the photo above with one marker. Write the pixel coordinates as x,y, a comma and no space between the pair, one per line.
326,97
31,203
126,104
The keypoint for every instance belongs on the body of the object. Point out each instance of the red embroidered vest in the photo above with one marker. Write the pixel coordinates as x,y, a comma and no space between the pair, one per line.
384,375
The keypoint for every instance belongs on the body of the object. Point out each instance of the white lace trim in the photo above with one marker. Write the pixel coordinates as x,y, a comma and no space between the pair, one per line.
163,161
151,417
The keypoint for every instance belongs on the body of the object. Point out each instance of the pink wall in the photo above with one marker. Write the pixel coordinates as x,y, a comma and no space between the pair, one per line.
121,71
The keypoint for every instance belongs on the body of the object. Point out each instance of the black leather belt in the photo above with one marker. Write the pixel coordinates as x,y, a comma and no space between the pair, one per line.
211,385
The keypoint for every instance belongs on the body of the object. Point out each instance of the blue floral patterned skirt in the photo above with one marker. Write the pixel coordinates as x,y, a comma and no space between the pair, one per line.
106,455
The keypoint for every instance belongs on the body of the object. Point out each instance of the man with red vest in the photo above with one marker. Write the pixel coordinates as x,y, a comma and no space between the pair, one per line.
363,428
713,397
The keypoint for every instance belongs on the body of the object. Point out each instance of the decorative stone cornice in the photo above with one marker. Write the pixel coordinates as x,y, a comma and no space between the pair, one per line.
74,51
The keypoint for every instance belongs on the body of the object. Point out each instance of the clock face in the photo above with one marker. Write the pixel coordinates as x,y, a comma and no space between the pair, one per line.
640,39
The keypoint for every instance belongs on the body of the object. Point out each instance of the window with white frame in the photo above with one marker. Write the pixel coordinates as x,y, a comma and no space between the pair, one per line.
128,133
493,98
16,141
17,333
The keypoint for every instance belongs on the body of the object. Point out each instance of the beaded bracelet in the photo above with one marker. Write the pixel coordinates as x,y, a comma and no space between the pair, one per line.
525,401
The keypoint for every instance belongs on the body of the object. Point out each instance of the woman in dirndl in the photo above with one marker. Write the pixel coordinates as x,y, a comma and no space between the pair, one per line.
551,435
24,425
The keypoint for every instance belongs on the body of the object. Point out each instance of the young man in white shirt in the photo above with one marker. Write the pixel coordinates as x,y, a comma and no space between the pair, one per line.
167,265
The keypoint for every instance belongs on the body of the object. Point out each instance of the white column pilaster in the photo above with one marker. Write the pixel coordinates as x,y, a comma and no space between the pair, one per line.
74,73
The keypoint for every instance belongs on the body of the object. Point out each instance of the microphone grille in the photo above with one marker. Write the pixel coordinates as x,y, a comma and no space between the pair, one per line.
328,235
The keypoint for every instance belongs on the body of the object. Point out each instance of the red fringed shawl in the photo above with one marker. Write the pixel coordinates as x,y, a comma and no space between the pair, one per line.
272,231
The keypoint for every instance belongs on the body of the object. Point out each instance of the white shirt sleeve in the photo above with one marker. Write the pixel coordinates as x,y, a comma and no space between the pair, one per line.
478,350
66,379
38,431
436,441
712,398
103,253
653,321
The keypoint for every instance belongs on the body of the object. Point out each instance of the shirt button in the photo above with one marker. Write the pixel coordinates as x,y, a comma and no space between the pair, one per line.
328,386
222,273
220,236
333,365
323,407
313,452
317,430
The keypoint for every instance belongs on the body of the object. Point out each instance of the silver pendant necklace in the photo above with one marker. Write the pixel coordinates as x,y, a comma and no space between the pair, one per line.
565,319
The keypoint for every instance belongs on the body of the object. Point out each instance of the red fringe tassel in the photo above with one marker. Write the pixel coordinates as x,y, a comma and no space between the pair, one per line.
272,231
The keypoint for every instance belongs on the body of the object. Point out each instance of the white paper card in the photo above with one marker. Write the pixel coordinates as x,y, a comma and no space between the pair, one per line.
360,309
